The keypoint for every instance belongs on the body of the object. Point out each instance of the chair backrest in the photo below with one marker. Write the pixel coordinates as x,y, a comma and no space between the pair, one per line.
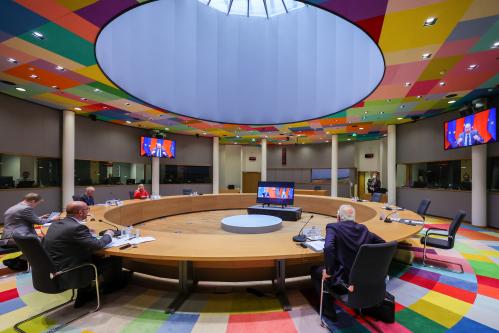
423,207
368,274
131,194
76,198
376,197
41,264
187,191
456,223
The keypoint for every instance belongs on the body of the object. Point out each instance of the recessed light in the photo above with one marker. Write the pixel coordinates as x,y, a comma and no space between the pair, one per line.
361,128
451,102
60,68
402,106
78,109
280,143
20,89
426,56
253,140
349,139
495,45
441,84
235,143
472,67
204,133
83,99
12,60
327,141
430,21
365,112
97,90
33,76
381,112
55,87
407,84
127,104
354,134
418,96
167,129
237,136
128,122
388,100
399,118
38,35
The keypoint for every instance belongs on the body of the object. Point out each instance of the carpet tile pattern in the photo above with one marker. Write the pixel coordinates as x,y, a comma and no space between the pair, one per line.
427,300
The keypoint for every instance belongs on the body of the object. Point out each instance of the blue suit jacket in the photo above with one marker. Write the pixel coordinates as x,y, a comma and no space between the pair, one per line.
343,241
473,141
88,200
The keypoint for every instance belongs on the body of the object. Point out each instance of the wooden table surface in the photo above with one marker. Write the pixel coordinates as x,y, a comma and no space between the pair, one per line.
171,246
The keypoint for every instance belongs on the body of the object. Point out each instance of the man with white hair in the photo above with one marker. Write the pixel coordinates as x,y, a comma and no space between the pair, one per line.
469,136
343,241
88,197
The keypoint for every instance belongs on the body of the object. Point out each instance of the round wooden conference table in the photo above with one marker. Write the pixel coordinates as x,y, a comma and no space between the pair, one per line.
191,256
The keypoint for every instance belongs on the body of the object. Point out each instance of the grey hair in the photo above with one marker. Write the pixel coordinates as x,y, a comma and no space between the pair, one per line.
346,213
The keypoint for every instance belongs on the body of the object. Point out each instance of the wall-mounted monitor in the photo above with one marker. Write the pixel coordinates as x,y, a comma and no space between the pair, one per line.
475,129
276,193
154,147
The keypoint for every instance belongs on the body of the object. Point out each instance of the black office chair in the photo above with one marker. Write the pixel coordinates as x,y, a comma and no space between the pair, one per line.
46,277
76,198
443,243
423,207
131,194
187,191
376,197
368,277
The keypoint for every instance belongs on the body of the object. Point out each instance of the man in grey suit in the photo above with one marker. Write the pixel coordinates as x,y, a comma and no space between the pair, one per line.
70,243
21,219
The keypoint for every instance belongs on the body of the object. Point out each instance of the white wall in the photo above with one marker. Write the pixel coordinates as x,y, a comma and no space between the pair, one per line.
11,165
230,165
368,147
252,166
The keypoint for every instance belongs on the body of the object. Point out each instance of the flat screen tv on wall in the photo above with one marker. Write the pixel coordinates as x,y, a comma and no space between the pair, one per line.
476,129
154,147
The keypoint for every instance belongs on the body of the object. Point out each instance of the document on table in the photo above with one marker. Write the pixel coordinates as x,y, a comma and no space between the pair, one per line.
120,241
408,221
317,246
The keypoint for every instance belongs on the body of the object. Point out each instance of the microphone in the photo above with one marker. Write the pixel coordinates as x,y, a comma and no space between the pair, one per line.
387,217
300,237
117,231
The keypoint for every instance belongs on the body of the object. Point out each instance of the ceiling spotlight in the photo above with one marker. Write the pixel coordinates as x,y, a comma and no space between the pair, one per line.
361,128
407,84
266,136
253,139
402,106
418,96
83,99
430,21
354,134
388,100
381,112
426,56
97,90
12,60
327,141
451,102
20,89
237,136
204,133
38,35
33,76
495,45
236,143
128,122
441,84
54,87
60,68
399,118
349,139
365,112
78,109
472,67
167,129
127,104
280,143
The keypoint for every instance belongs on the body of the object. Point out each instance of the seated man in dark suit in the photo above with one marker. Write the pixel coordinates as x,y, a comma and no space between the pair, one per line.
88,197
70,243
343,241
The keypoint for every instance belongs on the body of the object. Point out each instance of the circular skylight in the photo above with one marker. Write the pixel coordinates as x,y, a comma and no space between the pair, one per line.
186,58
254,8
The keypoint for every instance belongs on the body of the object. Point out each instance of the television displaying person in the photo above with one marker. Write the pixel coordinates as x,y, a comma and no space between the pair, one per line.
469,137
159,150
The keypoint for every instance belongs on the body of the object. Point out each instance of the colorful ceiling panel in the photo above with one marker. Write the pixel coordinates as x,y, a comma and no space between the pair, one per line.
47,57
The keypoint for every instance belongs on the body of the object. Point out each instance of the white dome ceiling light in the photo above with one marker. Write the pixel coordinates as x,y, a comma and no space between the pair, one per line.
254,8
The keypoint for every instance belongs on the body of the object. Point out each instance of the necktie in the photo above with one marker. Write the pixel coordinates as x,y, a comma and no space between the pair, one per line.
468,140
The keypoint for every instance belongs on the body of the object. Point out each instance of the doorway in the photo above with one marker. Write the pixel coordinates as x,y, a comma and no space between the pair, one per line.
250,182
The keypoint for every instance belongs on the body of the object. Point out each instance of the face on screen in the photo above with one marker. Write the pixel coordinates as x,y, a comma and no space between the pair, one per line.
275,192
472,130
157,147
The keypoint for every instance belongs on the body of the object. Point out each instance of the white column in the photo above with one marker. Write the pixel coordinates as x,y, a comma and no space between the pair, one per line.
334,165
155,175
68,157
264,160
479,185
391,165
216,165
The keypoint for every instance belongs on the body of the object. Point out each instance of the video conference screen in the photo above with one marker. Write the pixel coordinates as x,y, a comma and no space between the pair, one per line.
476,129
154,147
276,193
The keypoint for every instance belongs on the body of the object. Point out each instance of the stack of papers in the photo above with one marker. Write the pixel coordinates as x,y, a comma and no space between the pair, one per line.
317,246
120,241
409,222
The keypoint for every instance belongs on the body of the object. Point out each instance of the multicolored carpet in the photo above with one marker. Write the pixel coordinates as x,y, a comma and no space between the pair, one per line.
428,300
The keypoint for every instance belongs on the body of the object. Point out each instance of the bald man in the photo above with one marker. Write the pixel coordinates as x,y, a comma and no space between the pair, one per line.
69,243
343,241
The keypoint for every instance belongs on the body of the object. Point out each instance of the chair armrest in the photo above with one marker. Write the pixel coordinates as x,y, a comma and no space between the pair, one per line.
53,275
431,231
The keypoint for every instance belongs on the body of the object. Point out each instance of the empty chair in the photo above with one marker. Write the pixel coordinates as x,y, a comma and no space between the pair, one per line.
376,197
131,194
442,243
187,191
423,207
368,278
45,276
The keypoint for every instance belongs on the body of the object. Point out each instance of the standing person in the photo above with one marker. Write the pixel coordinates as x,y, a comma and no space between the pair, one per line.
21,219
88,197
69,243
374,184
141,192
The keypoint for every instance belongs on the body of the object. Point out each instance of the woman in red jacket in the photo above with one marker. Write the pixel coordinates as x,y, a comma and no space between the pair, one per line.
141,193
